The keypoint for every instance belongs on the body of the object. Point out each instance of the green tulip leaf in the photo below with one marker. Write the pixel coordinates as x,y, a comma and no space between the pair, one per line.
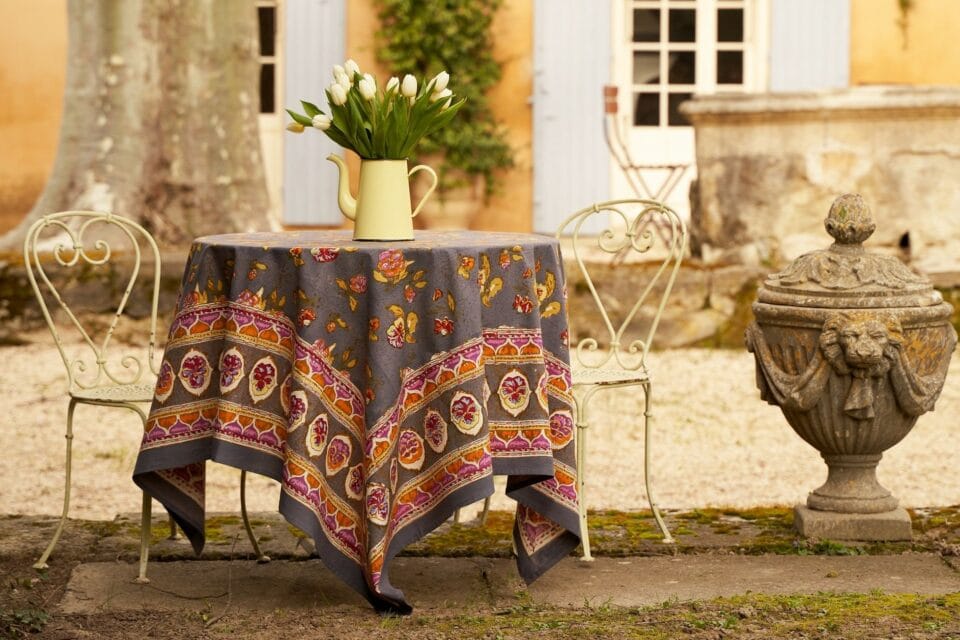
310,109
302,119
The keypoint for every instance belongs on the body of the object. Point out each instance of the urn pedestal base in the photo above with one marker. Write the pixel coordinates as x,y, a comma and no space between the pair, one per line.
887,526
852,486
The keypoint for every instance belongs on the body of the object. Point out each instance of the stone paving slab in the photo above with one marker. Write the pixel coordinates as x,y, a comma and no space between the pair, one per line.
99,587
645,581
469,583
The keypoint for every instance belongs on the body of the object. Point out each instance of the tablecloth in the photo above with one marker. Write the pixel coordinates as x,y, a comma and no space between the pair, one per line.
382,384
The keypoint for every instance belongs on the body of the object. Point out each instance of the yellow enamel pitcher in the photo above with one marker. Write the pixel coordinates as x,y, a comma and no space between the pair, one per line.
381,210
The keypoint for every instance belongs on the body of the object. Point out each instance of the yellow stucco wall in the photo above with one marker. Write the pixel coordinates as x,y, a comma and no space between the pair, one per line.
33,44
512,32
877,51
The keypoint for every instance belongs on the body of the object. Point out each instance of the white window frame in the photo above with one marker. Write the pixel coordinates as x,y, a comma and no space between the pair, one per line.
664,144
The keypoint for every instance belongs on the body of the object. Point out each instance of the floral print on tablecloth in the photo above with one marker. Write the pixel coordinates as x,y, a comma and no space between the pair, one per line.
382,384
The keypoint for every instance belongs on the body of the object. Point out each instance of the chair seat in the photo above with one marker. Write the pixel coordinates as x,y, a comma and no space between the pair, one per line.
583,376
137,392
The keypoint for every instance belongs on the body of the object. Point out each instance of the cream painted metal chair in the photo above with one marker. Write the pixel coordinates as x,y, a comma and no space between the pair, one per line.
82,240
653,234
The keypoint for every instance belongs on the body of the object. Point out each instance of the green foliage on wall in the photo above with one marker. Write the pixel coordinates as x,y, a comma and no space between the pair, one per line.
905,6
424,37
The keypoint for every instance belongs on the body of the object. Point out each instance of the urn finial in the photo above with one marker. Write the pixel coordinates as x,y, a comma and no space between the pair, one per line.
849,220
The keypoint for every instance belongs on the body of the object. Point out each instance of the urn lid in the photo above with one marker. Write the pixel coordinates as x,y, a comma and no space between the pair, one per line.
845,275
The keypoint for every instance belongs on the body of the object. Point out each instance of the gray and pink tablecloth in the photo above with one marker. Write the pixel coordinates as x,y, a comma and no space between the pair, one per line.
382,384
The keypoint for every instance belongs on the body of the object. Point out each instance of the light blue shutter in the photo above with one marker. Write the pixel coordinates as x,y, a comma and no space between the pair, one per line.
809,45
572,57
315,41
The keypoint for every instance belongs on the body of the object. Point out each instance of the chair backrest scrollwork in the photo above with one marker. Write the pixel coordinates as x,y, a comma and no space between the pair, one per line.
79,239
631,226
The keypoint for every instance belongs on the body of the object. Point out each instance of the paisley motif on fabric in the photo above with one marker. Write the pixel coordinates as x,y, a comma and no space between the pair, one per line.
514,392
394,474
263,379
165,379
298,408
435,429
195,372
410,450
338,454
466,413
285,389
542,392
353,486
316,438
378,503
561,429
231,369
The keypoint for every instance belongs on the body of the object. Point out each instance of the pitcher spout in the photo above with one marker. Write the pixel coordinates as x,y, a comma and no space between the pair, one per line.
348,204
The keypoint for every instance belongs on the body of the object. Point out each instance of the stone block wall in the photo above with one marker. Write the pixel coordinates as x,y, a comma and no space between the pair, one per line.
709,304
769,166
91,292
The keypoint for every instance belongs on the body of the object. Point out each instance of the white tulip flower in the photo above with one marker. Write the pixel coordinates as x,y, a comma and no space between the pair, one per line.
295,127
409,86
440,81
342,80
441,95
338,70
322,121
351,67
367,88
393,84
338,94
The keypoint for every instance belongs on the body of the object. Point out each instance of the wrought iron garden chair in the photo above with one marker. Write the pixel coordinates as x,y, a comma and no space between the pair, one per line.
656,235
83,240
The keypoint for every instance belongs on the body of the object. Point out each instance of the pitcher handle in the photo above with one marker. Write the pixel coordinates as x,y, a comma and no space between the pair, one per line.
420,167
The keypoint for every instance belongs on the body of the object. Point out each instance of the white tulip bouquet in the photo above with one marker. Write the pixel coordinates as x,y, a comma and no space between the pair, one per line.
379,125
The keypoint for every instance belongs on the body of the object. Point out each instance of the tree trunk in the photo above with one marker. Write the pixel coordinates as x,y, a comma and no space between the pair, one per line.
160,118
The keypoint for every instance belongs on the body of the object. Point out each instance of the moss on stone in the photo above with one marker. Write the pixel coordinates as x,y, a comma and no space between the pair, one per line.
494,539
767,530
755,615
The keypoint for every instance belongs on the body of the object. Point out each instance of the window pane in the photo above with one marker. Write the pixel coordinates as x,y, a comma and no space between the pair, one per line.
646,25
646,67
266,17
682,67
729,67
267,104
646,110
683,25
675,118
730,25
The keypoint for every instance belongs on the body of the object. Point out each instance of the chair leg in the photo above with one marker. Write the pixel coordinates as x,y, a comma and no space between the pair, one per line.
42,562
174,534
144,539
483,514
261,556
647,422
581,444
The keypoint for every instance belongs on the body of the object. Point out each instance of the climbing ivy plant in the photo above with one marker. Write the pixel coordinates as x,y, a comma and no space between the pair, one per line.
424,37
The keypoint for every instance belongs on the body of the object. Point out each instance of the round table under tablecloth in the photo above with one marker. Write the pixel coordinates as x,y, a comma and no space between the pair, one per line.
383,384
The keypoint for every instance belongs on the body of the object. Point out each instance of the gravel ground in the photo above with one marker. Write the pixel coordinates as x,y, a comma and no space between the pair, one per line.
714,443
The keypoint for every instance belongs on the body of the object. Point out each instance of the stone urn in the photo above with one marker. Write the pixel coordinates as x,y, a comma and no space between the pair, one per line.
853,347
